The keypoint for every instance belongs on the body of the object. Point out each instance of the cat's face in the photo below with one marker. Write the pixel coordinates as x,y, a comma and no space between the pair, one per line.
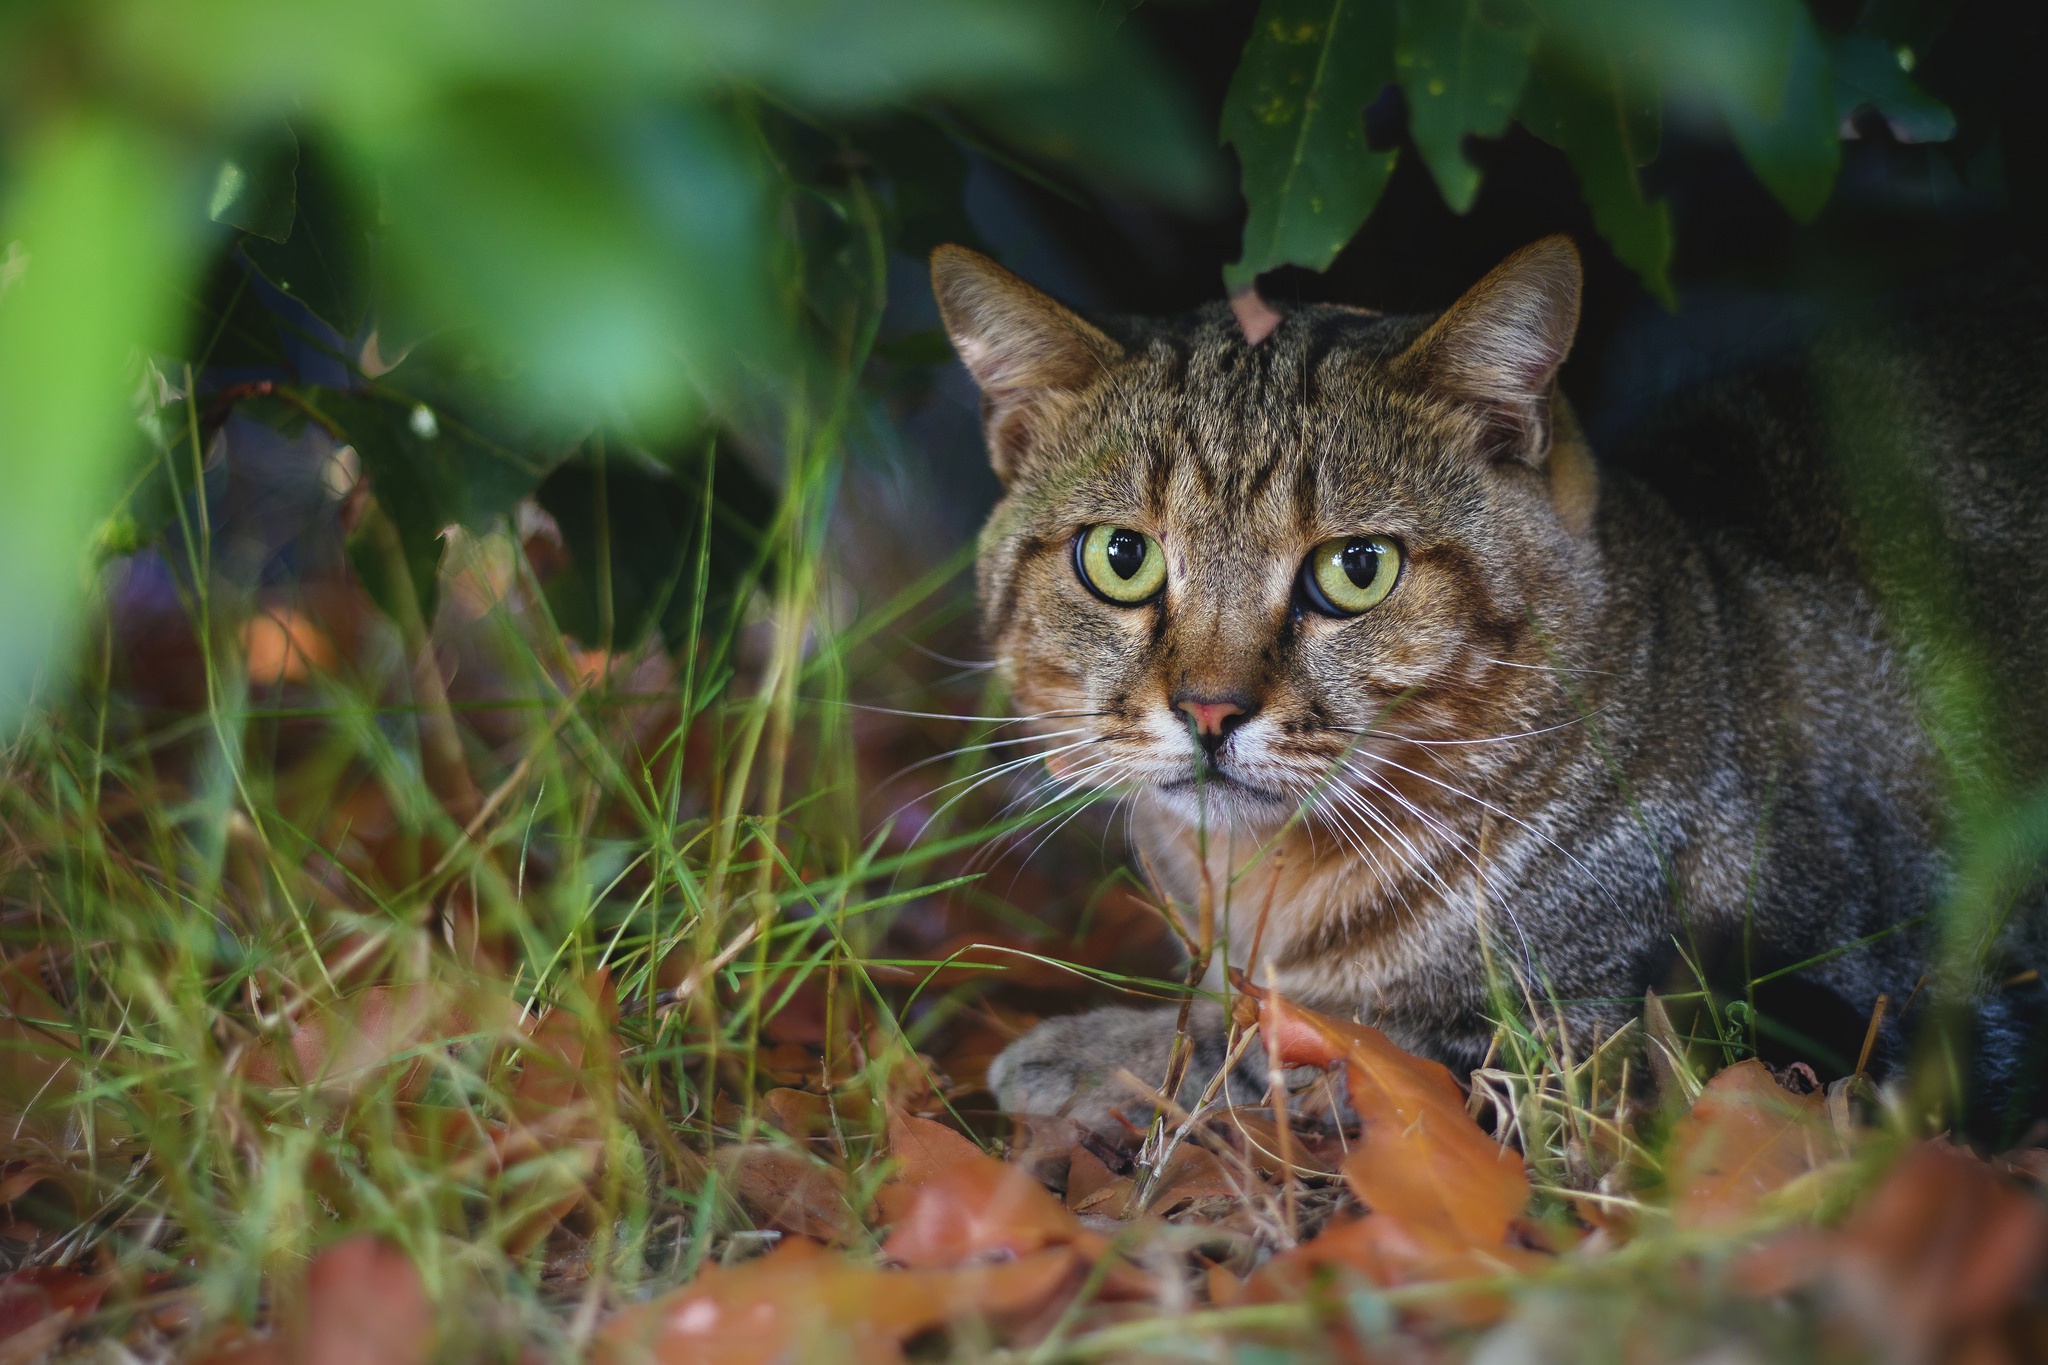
1267,579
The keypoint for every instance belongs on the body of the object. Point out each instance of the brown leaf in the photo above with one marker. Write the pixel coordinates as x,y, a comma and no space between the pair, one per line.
1089,1179
1195,1175
38,1306
922,1148
1943,1253
364,1305
800,1296
1745,1137
799,1113
282,645
567,1077
355,1042
1421,1158
971,1211
1390,1252
790,1192
38,1074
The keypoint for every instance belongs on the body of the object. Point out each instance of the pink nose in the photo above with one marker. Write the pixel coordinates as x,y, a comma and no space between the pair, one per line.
1209,716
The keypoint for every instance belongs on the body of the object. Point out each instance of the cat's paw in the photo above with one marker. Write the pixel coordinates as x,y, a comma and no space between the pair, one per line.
1103,1069
1092,1068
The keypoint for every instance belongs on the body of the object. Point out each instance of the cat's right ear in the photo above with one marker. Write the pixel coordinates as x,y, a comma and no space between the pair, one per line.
1029,355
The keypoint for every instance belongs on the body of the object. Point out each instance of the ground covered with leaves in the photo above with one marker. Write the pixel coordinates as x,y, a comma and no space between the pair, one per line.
382,994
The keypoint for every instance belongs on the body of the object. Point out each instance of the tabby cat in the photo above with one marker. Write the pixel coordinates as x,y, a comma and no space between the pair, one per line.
1443,719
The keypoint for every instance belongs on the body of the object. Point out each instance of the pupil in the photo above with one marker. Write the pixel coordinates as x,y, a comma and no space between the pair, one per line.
1126,552
1361,562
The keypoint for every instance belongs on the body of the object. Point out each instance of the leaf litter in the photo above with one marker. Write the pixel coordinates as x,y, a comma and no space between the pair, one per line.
816,1166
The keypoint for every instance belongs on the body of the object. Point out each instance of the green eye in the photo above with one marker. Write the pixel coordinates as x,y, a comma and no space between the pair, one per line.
1120,565
1346,577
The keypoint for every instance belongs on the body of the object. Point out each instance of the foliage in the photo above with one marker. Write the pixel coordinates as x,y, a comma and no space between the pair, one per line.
1593,79
526,225
485,924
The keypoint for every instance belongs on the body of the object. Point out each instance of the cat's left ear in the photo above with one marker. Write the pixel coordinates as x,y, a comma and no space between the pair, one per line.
1499,347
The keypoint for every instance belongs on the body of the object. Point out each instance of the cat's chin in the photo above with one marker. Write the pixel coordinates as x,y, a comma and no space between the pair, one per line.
1222,800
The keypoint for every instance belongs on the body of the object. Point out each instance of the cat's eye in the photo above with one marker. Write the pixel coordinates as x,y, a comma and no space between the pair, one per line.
1348,576
1120,565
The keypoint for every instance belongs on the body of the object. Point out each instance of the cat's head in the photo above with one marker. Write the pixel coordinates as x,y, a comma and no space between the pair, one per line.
1245,575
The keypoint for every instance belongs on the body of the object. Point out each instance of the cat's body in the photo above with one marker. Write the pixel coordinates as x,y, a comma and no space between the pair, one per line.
1583,745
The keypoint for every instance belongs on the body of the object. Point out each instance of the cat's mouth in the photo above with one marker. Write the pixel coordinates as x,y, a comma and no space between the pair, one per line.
1215,779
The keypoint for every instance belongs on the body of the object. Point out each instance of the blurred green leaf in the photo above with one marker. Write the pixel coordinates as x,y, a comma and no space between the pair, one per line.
1115,115
1462,64
91,234
1591,111
1796,150
1868,75
256,189
381,64
620,255
1296,115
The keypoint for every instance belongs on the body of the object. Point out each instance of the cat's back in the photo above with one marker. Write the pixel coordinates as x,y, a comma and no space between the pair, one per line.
1901,447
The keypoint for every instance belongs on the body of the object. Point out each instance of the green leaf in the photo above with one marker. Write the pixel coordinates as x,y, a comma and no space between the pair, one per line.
256,189
1868,74
1795,149
1115,115
1588,103
326,262
92,235
1462,64
416,496
431,468
1296,114
619,257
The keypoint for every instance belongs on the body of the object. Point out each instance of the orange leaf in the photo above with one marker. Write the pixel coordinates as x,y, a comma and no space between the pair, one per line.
923,1148
281,645
800,1296
1390,1252
1745,1137
788,1191
1421,1158
1940,1253
351,1044
974,1210
364,1305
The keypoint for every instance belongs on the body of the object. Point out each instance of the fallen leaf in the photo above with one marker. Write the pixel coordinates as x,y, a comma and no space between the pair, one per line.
355,1042
281,645
1089,1180
922,1148
799,1113
800,1302
1390,1252
974,1211
37,1067
1745,1137
364,1305
568,1076
39,1306
1421,1158
1940,1257
789,1191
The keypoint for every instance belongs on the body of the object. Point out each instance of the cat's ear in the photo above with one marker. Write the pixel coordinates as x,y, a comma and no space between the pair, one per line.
1499,346
1028,354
